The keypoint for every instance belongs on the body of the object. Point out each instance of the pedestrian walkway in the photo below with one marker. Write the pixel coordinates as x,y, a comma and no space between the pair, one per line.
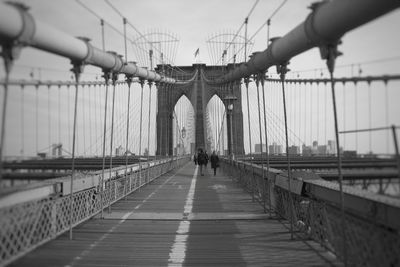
182,219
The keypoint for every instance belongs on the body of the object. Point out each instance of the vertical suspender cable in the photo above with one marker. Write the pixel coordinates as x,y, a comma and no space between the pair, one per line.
59,114
356,113
339,161
114,79
83,123
106,76
160,145
49,118
344,115
7,64
148,135
140,132
387,116
90,120
332,53
77,69
37,117
69,119
129,82
370,118
22,122
266,142
246,81
261,139
148,130
282,69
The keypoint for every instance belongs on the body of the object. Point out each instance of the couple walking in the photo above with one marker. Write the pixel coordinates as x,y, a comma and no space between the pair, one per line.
202,159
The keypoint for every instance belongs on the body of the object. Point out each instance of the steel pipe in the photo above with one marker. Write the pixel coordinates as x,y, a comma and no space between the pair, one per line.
328,22
13,23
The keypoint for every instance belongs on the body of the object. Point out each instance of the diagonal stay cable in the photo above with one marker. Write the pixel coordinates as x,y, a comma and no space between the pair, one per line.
265,23
240,28
136,30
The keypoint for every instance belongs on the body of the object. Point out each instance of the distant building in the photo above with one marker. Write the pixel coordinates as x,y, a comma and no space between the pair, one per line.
331,149
307,151
257,148
275,149
294,150
119,151
314,148
349,154
322,150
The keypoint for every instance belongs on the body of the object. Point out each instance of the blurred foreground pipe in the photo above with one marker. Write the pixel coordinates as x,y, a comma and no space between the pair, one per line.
328,22
18,27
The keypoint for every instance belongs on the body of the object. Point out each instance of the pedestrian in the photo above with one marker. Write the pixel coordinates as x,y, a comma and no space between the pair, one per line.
201,160
195,159
214,162
207,158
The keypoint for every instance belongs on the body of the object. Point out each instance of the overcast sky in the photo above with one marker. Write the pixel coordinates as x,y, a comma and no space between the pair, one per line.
373,48
194,21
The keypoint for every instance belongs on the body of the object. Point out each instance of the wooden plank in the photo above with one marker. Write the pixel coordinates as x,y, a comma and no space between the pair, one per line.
225,228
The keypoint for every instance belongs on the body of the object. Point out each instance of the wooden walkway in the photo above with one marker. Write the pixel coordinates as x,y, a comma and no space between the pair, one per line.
182,219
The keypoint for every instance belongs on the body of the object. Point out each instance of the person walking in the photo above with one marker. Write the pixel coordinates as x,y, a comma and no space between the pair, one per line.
207,158
201,160
214,162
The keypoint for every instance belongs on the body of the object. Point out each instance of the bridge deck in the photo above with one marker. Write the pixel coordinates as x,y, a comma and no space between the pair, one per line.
182,219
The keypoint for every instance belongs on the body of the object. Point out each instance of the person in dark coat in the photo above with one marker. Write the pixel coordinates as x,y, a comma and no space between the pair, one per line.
214,162
201,160
207,158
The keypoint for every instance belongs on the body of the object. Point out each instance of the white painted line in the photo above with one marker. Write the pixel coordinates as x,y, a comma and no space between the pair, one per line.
178,251
112,229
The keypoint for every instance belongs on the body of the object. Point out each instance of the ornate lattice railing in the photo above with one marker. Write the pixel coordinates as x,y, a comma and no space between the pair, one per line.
25,225
369,231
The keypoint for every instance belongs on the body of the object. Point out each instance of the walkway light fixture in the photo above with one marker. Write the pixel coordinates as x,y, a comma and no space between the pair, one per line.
230,99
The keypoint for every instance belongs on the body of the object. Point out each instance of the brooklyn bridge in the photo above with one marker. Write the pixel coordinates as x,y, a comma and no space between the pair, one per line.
102,119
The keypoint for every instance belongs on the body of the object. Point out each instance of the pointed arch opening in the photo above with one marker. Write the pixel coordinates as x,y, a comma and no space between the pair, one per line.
216,126
183,127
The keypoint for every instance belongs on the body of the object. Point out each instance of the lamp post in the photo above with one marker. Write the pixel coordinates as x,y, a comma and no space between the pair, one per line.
183,132
230,99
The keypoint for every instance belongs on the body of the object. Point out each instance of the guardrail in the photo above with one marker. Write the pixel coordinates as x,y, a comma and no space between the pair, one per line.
371,234
36,214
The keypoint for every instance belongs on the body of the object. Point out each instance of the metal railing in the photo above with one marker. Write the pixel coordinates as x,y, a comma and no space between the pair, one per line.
372,225
31,218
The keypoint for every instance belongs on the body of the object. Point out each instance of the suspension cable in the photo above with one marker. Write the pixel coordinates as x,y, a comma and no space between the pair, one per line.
77,70
140,130
114,79
258,78
266,143
282,69
148,133
106,76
